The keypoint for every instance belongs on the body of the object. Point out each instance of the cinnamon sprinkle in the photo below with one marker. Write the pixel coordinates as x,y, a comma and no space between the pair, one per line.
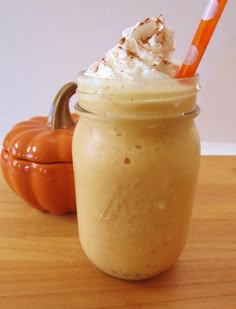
145,41
122,40
133,55
145,21
165,61
158,20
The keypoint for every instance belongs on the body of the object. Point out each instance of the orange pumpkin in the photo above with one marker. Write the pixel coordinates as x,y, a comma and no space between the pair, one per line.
36,157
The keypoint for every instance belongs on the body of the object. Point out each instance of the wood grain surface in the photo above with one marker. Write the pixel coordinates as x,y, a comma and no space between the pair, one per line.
42,264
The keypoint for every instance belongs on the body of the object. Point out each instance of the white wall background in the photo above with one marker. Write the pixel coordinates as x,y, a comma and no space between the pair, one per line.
45,43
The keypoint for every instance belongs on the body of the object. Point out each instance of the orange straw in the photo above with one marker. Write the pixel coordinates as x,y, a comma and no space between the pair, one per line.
202,37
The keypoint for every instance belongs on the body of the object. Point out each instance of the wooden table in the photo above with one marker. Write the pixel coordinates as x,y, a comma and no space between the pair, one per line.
42,264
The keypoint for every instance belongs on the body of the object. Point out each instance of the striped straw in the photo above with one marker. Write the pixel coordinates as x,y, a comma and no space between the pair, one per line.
202,37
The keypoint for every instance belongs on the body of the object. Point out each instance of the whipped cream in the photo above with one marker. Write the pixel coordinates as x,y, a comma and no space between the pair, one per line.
144,51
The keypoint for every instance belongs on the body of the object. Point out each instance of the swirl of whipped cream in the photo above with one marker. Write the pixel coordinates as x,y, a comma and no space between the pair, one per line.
144,51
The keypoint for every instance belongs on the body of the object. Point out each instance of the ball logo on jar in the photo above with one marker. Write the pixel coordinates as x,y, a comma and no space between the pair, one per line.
130,201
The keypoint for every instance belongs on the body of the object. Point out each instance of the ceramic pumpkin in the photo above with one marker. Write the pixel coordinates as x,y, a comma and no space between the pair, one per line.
36,157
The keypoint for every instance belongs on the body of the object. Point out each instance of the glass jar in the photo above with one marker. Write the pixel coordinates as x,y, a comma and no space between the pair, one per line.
136,155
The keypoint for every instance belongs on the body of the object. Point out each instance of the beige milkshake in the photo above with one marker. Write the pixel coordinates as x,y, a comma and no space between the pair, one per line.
136,155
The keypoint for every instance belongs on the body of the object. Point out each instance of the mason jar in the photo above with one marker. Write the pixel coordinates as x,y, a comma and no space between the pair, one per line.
136,155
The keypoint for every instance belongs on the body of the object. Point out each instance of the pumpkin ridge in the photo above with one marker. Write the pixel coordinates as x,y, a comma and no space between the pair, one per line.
15,136
37,163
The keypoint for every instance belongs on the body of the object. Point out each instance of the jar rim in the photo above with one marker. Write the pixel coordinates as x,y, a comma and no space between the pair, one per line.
82,74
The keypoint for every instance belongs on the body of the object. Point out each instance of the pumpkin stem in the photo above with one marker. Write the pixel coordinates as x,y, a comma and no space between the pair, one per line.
59,115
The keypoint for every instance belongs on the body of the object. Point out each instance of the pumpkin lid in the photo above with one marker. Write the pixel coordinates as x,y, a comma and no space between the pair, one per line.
45,139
